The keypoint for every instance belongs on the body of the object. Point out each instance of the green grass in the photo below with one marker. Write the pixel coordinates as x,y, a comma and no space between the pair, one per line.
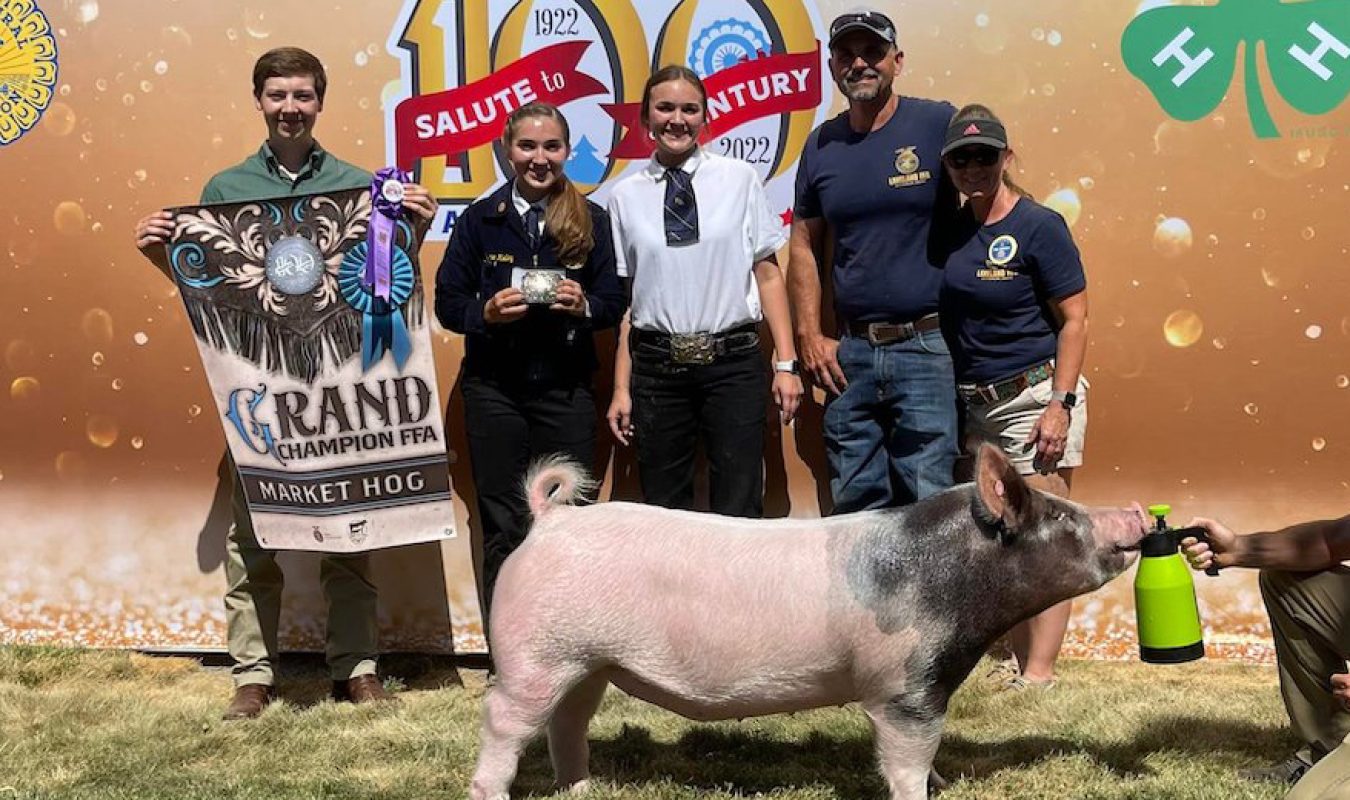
98,724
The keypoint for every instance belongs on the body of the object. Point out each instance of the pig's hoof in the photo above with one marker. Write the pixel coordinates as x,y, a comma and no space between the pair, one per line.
580,787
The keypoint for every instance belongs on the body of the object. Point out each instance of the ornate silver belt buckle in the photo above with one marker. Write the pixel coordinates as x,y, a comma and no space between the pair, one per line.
691,348
540,286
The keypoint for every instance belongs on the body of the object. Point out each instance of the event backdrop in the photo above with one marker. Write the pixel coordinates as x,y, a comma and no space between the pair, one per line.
1197,151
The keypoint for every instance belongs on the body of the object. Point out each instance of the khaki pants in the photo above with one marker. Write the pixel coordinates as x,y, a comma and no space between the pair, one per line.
253,607
1329,779
1310,618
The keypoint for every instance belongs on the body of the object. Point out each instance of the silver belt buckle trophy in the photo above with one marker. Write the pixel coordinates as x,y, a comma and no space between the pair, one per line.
691,348
540,285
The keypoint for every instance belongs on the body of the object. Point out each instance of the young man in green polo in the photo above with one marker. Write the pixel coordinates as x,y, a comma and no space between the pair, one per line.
288,89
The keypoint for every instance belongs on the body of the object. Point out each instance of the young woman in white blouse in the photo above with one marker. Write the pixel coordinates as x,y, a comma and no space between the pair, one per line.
695,243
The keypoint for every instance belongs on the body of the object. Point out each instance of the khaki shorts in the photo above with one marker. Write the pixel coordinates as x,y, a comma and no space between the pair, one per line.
1008,423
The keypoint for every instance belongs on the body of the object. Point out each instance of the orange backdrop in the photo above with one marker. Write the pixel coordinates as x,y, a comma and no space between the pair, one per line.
1217,264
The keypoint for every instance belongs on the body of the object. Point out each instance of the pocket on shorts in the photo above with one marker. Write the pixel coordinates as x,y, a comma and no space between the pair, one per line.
1041,391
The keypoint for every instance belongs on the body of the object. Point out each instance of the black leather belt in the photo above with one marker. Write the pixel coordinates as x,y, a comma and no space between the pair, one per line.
879,333
699,348
1007,388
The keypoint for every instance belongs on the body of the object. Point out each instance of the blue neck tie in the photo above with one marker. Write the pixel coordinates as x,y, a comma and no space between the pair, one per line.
532,217
681,209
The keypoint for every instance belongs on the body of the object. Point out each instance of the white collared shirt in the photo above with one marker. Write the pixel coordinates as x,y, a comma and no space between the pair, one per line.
704,287
522,206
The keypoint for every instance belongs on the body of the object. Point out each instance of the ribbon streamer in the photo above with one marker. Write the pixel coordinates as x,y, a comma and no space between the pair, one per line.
383,327
376,277
386,194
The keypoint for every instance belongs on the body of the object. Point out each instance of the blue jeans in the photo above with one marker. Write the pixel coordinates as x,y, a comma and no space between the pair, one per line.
891,436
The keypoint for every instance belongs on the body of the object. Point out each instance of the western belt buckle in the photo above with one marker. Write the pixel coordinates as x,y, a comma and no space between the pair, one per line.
879,333
691,348
983,394
973,393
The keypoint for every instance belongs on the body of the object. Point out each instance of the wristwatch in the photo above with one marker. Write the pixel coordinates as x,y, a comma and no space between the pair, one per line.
789,366
1066,399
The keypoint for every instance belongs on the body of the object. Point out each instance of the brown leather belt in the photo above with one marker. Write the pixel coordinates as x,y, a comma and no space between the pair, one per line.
1008,388
879,333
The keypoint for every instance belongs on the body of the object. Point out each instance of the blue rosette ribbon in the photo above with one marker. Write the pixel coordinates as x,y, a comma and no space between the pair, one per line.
376,277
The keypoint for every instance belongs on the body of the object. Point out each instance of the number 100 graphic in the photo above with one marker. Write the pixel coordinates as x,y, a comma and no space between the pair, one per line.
466,64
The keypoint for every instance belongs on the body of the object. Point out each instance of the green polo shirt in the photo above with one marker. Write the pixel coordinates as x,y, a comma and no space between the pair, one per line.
259,177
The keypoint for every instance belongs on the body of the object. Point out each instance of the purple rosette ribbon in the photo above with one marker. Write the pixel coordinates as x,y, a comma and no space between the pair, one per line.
376,277
386,194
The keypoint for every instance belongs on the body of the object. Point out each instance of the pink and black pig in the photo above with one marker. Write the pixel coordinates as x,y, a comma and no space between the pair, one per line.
718,618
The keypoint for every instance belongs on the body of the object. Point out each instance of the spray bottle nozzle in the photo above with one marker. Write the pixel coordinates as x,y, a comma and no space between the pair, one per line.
1159,512
1164,540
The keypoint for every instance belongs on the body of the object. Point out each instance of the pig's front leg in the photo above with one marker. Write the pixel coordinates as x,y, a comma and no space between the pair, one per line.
905,746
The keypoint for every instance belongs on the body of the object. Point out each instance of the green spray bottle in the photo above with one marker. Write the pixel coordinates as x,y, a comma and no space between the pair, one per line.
1164,595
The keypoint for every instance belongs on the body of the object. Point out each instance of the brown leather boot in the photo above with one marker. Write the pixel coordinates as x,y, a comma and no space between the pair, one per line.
248,702
362,689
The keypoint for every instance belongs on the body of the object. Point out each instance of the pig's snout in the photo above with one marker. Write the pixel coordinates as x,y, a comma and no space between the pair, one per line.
1120,530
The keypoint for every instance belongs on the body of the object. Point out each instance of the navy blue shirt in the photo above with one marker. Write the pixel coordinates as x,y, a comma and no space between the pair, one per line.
546,347
879,191
998,281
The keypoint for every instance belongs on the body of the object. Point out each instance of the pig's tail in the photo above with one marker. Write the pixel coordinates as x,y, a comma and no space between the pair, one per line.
555,481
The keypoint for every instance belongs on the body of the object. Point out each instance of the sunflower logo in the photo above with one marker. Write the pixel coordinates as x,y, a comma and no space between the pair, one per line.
27,67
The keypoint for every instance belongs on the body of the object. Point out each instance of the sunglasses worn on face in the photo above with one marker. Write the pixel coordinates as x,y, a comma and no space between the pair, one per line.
984,156
872,52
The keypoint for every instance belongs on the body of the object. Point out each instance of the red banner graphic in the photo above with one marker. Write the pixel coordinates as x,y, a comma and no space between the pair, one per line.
750,90
456,120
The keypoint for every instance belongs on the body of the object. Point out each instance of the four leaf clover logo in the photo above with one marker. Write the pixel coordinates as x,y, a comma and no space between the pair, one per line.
1186,54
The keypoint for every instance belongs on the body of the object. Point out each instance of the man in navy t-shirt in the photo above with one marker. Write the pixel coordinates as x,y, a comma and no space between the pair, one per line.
872,178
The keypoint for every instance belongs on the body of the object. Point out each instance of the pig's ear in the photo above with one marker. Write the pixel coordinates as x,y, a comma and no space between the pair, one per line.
1002,497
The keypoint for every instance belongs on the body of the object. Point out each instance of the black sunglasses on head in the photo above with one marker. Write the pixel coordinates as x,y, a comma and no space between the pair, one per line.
868,17
984,156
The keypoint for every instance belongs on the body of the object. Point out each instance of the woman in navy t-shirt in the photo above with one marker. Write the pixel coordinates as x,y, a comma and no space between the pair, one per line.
1014,311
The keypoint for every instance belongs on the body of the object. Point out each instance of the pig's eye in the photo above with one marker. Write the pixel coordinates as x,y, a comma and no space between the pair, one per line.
1059,516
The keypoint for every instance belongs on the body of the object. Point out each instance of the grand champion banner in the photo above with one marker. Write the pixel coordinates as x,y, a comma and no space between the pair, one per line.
467,64
308,314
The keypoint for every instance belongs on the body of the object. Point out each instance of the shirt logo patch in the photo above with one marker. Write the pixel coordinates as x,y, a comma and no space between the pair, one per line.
501,258
906,162
907,165
1002,250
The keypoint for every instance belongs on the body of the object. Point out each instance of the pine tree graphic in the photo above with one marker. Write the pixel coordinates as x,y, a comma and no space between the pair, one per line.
582,166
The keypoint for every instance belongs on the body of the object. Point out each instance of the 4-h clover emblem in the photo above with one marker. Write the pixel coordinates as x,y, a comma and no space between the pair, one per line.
1185,55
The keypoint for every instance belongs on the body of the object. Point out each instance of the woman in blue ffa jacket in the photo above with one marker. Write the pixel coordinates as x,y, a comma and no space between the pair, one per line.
528,277
1014,310
694,236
